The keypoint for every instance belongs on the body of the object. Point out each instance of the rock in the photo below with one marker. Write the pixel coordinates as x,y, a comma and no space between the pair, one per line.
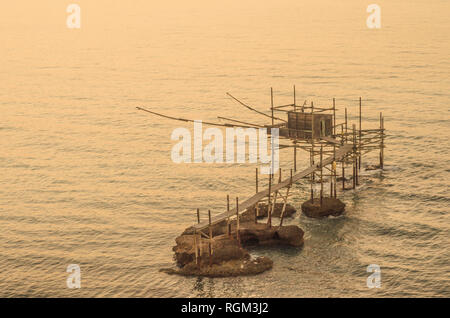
372,167
228,257
261,234
225,269
291,235
330,206
289,210
247,216
223,249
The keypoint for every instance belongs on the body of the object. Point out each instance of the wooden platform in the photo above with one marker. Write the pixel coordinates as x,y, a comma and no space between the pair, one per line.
340,153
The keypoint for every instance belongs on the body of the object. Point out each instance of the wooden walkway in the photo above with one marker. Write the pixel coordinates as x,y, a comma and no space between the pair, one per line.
340,153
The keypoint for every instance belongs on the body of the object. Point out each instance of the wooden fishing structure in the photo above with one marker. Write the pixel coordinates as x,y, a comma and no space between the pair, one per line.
333,148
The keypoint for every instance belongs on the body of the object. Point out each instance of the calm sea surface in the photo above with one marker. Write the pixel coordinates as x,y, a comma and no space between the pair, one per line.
87,179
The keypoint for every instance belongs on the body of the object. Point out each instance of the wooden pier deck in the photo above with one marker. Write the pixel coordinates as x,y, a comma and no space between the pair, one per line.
339,154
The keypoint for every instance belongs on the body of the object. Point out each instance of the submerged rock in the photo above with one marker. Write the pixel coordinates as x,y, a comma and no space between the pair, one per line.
237,267
228,257
261,234
330,206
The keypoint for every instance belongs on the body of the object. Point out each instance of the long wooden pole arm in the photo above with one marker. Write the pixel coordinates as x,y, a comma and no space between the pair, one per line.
191,120
251,108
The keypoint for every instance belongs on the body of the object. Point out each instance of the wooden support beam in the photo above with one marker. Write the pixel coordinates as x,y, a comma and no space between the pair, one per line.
360,118
284,206
311,158
295,104
321,176
210,238
295,156
354,156
381,141
346,124
271,103
237,221
269,212
195,247
334,116
256,180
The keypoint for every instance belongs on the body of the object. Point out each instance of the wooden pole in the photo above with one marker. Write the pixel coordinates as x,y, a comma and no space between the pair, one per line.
354,156
356,171
228,219
312,122
198,215
321,176
346,125
269,205
295,156
271,103
334,170
237,221
279,176
195,247
360,133
210,238
209,222
256,180
334,117
284,205
331,181
295,103
381,140
312,175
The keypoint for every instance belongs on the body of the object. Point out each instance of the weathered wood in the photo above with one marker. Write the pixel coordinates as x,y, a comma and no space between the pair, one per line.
295,104
269,205
271,103
321,175
340,153
256,180
237,221
252,109
210,238
295,156
360,118
284,205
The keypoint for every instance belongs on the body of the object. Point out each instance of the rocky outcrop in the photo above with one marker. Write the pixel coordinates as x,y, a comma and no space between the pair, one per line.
228,257
237,267
330,206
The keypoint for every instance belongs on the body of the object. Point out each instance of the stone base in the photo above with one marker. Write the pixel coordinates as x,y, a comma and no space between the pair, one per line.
237,267
228,257
288,211
330,206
